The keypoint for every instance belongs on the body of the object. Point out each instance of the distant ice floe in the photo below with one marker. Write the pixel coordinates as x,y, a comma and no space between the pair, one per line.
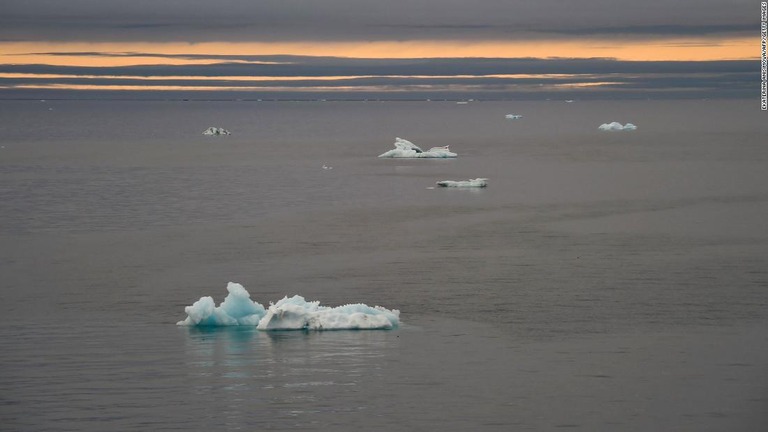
472,183
406,149
513,116
292,313
616,126
216,131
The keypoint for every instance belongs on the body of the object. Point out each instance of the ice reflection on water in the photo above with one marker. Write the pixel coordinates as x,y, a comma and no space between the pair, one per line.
290,374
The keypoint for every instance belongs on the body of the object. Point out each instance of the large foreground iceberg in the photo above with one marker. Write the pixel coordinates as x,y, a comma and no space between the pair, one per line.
406,149
292,313
216,131
472,183
616,126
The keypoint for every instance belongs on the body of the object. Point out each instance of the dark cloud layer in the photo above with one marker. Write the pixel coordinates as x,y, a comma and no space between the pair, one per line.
361,20
736,81
481,78
198,21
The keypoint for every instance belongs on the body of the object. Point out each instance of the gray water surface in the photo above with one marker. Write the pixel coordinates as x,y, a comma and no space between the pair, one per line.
603,281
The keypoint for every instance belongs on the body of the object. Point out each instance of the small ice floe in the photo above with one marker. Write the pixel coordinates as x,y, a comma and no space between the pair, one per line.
616,126
471,183
406,149
326,167
216,131
290,313
513,116
569,101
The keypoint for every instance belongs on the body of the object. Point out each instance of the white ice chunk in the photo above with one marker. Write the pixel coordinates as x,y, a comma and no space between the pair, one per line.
295,313
292,313
616,126
513,116
406,149
471,183
216,131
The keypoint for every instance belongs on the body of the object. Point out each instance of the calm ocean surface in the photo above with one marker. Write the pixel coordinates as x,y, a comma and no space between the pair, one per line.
602,282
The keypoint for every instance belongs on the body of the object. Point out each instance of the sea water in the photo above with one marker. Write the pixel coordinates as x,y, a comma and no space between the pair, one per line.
603,280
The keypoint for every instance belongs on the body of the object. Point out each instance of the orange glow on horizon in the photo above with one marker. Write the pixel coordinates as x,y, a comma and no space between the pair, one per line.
646,50
281,78
102,55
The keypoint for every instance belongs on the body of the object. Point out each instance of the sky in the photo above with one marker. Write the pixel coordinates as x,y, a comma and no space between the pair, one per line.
357,49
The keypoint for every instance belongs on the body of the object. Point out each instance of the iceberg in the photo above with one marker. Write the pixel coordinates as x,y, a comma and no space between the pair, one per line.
236,309
616,126
513,116
290,313
472,183
406,149
216,131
